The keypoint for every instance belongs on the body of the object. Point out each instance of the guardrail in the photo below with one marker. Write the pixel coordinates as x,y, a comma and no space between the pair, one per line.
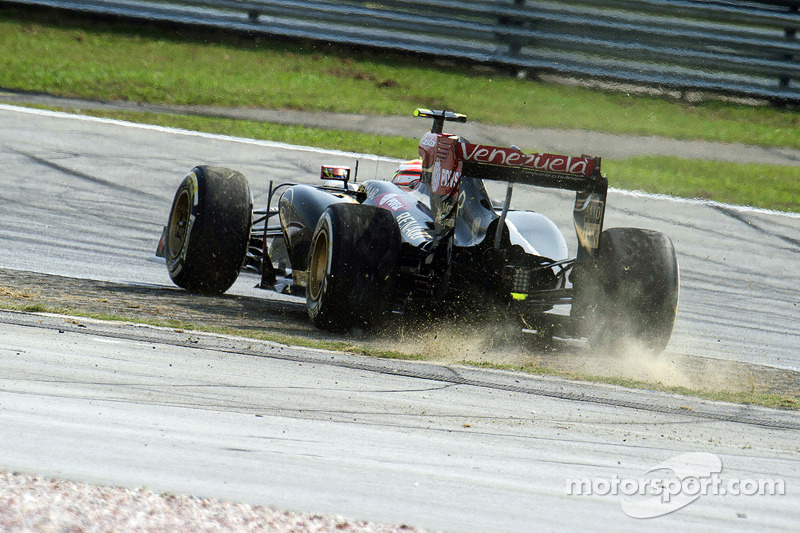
736,47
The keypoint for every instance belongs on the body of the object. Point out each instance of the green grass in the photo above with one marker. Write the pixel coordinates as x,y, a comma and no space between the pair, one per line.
73,56
767,186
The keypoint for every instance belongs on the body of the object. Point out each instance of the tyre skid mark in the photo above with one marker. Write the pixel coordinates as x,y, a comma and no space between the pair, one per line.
86,177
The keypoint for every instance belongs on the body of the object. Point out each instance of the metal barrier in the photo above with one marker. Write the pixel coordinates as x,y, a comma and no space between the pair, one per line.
737,47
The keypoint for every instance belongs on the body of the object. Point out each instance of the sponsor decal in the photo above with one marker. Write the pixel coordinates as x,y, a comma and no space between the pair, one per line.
581,203
444,180
592,208
588,218
588,234
392,202
429,140
370,190
411,229
476,225
497,155
191,184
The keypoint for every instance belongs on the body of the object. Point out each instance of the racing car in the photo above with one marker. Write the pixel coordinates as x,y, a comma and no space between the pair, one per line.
431,236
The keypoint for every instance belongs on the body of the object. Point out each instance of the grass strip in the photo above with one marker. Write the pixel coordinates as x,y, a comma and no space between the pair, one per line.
81,56
766,186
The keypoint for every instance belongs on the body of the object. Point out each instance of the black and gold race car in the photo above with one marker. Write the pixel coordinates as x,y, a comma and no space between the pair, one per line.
430,236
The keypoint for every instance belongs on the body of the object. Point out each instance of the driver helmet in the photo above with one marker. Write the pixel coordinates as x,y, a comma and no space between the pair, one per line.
408,173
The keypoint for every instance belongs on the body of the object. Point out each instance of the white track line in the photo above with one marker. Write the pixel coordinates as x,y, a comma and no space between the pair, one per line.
369,157
200,134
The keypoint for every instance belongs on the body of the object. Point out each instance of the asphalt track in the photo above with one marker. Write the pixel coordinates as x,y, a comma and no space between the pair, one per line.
439,447
87,198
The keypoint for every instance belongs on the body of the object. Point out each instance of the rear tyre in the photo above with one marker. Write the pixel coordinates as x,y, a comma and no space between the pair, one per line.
208,230
630,292
352,267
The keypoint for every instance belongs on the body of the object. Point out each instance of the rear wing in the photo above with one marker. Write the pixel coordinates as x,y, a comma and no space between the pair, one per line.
446,159
579,174
544,170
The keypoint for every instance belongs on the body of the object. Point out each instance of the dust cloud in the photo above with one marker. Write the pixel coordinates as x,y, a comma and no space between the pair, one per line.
504,345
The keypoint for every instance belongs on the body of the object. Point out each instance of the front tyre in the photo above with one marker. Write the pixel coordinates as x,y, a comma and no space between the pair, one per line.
630,292
208,230
352,267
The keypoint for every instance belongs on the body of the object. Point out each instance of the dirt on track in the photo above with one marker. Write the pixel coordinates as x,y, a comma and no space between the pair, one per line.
445,342
31,291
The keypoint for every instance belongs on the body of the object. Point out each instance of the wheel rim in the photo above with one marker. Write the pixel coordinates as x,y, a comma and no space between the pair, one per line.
178,225
318,266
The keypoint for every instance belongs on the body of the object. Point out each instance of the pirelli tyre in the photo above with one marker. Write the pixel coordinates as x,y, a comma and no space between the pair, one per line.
208,230
630,293
352,272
